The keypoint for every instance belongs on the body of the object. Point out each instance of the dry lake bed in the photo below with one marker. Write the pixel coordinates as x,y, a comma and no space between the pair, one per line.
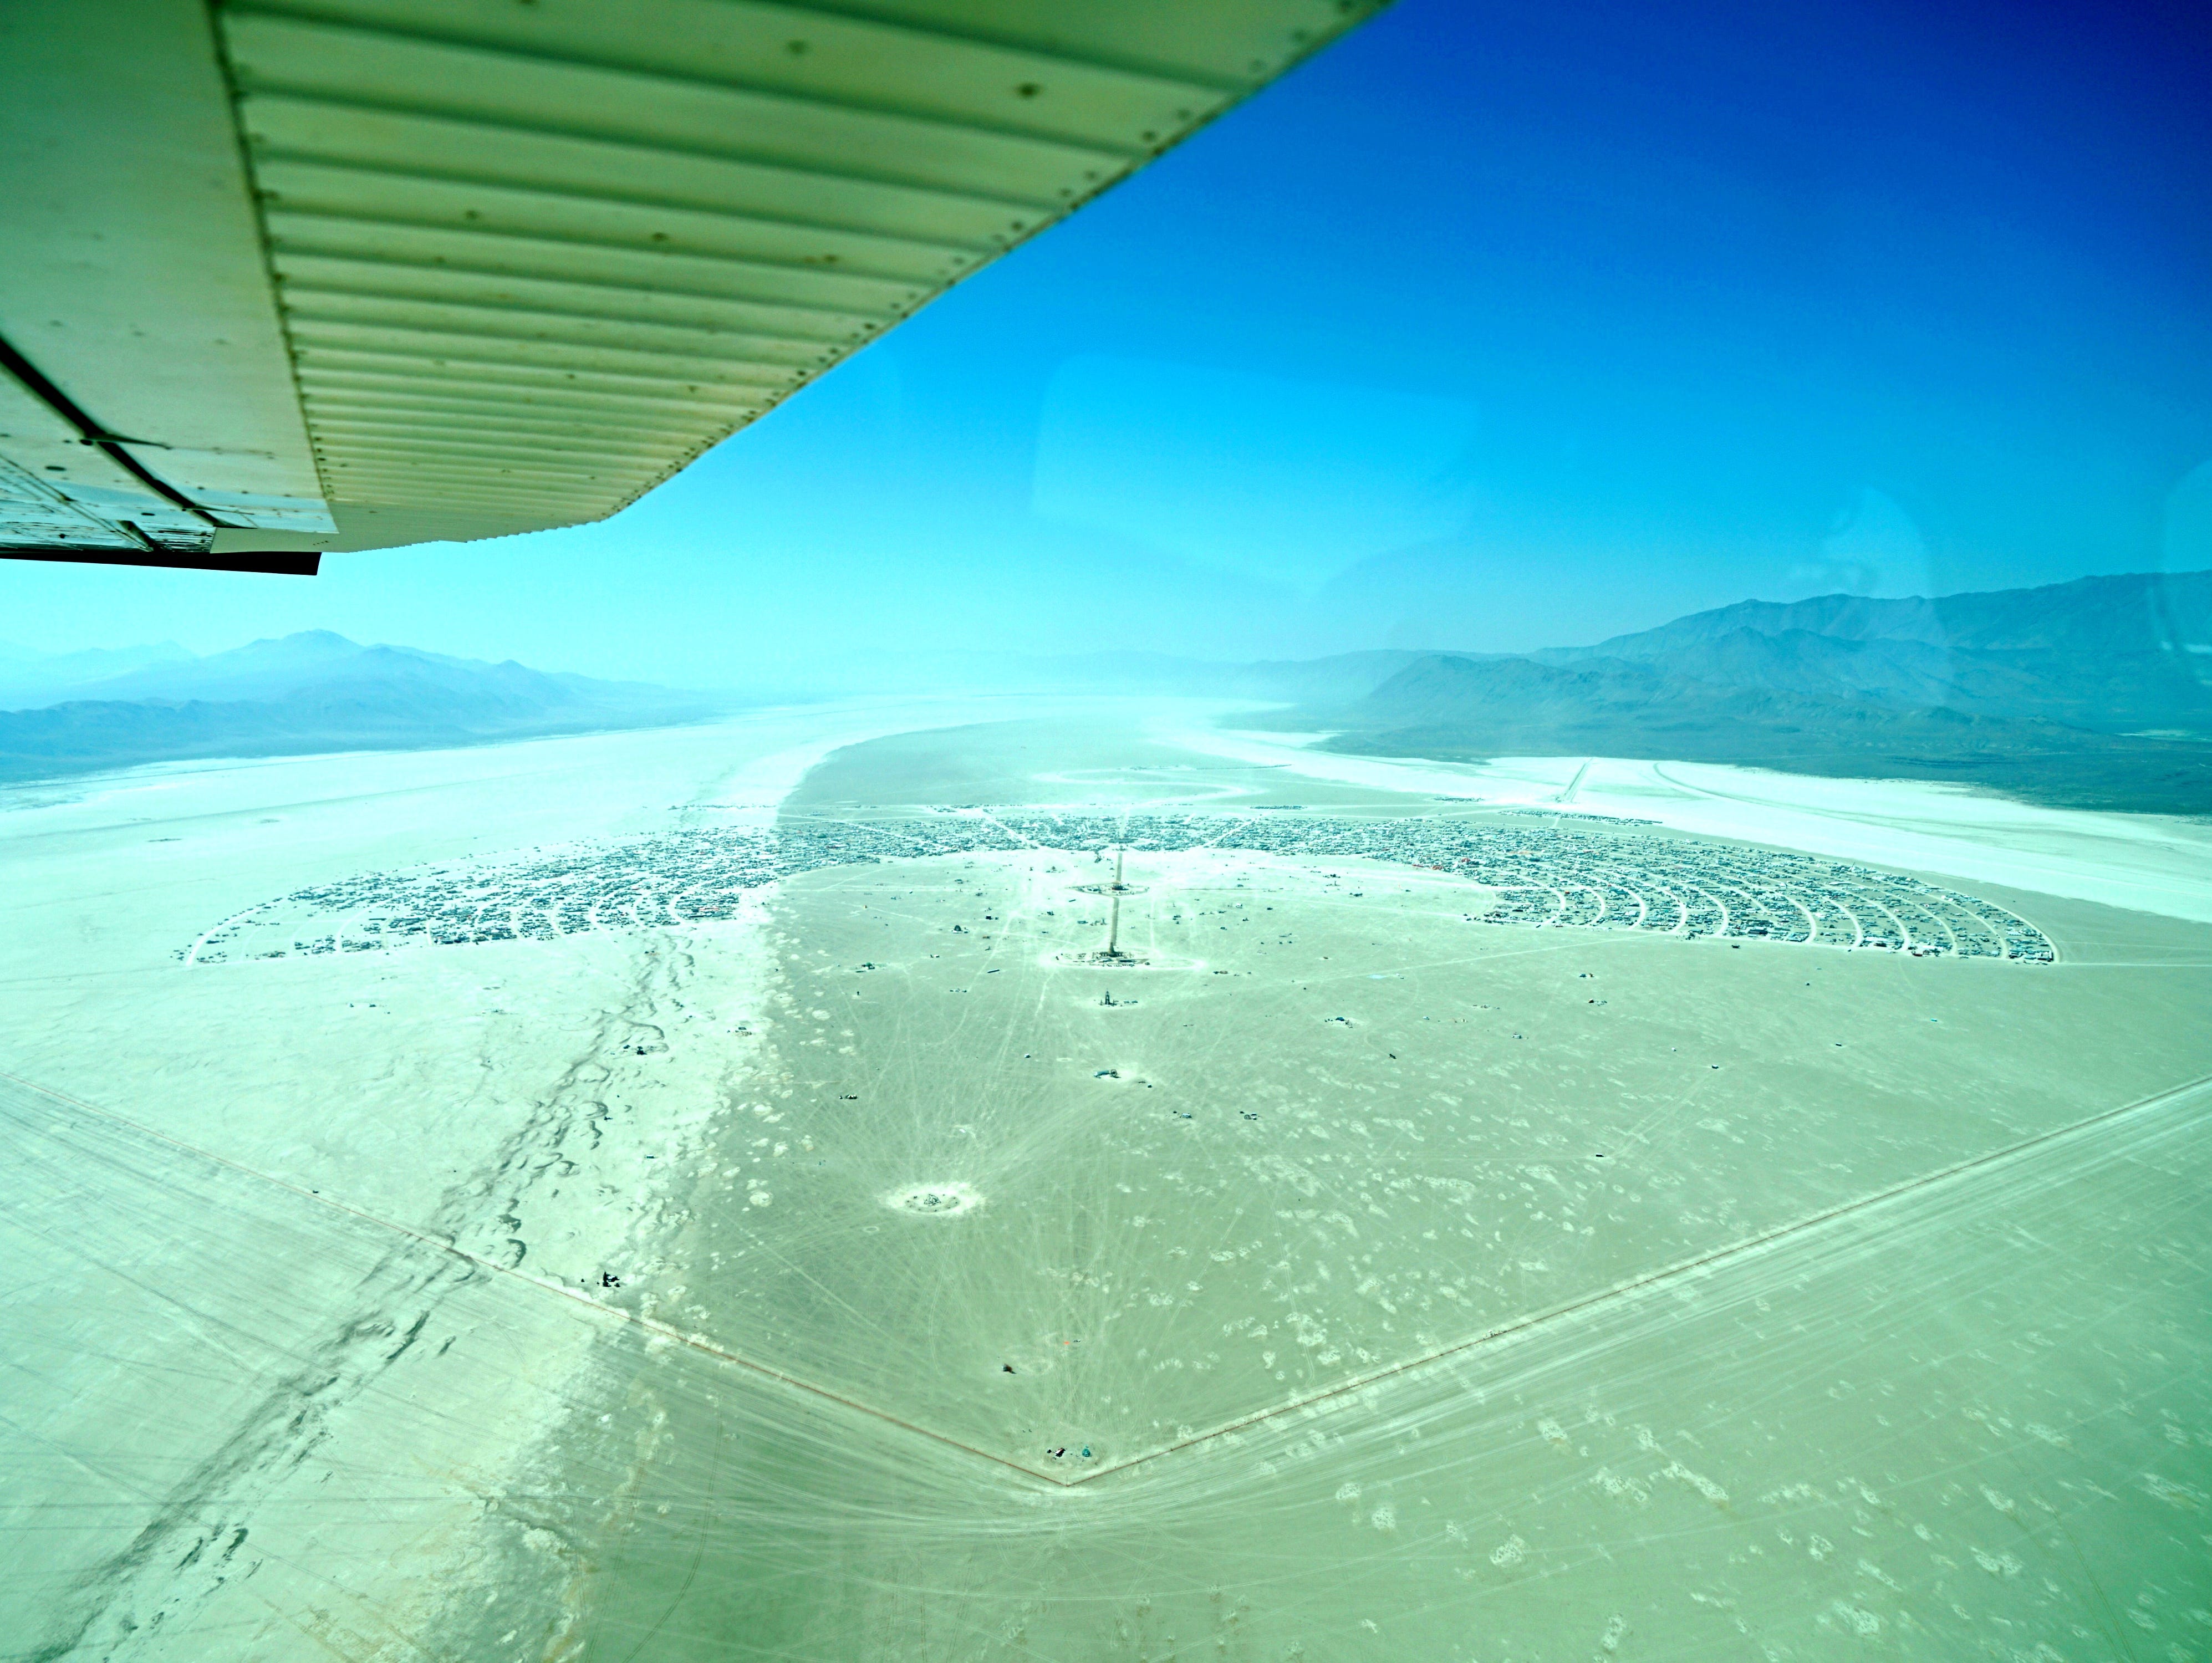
983,1181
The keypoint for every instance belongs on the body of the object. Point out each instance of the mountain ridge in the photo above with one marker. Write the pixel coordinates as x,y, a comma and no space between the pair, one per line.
317,690
2096,693
2092,693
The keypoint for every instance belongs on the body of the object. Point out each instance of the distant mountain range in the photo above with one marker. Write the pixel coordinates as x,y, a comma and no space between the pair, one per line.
309,692
109,708
2092,693
40,678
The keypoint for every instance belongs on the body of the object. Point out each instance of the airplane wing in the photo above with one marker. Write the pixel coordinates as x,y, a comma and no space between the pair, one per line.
287,277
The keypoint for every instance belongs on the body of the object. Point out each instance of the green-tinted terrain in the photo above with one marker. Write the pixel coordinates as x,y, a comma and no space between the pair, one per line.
1348,1271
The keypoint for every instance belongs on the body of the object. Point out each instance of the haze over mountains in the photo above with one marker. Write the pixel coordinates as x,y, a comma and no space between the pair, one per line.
2113,653
2091,694
309,692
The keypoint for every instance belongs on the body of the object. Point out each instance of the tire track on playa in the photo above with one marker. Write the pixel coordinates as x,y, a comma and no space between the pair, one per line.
290,1416
1994,1159
197,1537
614,1313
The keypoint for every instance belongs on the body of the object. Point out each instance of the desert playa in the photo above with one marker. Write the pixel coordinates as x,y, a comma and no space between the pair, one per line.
711,1192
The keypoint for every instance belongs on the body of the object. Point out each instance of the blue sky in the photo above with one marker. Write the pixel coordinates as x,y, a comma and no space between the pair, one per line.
1491,327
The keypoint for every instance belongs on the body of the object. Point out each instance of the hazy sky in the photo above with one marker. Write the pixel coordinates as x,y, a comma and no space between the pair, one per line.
1492,327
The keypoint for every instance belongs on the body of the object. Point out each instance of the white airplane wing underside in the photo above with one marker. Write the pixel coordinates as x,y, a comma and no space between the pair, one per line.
314,275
